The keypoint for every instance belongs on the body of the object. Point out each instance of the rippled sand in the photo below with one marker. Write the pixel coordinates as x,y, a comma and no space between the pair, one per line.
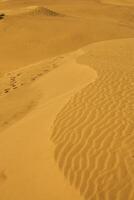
66,100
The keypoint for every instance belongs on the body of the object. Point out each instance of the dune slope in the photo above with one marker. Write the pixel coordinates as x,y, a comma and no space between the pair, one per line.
66,100
28,169
93,133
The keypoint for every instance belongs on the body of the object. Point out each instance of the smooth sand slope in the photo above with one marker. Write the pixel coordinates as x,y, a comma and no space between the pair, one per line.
28,169
66,100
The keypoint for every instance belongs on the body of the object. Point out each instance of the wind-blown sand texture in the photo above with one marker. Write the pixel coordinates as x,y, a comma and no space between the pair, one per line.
66,100
93,133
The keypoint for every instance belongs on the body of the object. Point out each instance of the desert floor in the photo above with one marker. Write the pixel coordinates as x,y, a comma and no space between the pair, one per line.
67,100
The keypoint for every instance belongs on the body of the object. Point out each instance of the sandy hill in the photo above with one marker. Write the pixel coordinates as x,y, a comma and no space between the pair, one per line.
40,10
88,116
66,100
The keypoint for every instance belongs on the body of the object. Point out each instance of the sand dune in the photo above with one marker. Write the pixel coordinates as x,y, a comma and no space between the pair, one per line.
33,11
38,10
25,40
38,121
93,133
66,100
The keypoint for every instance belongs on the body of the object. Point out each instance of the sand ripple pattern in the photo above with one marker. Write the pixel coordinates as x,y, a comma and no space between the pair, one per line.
94,136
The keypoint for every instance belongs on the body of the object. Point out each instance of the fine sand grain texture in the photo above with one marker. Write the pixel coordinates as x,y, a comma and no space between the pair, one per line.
66,100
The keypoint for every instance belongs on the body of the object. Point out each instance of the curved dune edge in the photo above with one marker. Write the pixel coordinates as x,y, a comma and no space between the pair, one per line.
93,133
26,154
62,74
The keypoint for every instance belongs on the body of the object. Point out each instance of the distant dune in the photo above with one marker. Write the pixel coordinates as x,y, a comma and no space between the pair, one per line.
38,10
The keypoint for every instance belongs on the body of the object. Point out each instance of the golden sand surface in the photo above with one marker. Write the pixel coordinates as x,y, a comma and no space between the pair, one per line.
67,100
